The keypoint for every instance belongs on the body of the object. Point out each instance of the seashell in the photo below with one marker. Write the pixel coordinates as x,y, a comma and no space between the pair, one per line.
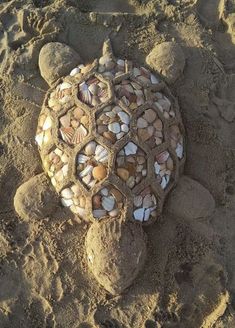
153,79
179,150
108,203
65,170
65,121
66,202
59,176
67,134
141,123
157,168
99,213
115,262
67,193
130,182
125,118
163,183
39,139
162,157
147,201
53,181
125,128
114,127
75,189
139,101
147,214
90,148
114,213
139,214
99,150
47,124
65,85
101,155
82,158
79,134
79,210
130,148
64,158
93,88
138,201
88,169
121,62
120,135
92,183
87,179
75,71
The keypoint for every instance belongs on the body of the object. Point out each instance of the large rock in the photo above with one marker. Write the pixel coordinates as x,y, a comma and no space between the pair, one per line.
167,59
36,198
57,59
190,200
116,252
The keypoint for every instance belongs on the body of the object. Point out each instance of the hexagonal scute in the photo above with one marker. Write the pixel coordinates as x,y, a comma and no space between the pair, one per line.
72,198
73,126
176,140
150,128
144,76
131,93
145,205
56,166
131,165
44,133
108,202
163,104
113,123
61,97
93,92
92,164
163,167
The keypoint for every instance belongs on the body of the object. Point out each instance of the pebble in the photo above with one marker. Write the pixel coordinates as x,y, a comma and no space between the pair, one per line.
108,203
114,213
124,117
67,193
141,123
99,213
158,125
110,136
150,115
123,174
96,201
114,127
130,148
139,214
99,172
125,128
138,201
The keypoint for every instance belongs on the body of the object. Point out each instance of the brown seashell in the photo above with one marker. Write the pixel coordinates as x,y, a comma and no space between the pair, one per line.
67,134
116,266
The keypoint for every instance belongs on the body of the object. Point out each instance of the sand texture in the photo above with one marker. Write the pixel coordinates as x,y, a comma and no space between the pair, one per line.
188,278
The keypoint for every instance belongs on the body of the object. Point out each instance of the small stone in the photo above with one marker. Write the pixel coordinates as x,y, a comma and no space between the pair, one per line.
130,148
158,125
110,136
114,213
96,201
99,172
150,115
138,201
125,128
147,201
123,174
139,214
117,194
120,135
108,203
114,127
124,117
82,201
143,134
130,182
67,193
98,213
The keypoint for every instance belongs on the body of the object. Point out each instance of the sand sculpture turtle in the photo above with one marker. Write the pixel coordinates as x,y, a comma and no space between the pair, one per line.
111,140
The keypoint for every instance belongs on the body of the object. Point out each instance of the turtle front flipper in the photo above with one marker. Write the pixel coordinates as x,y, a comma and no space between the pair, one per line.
36,198
116,252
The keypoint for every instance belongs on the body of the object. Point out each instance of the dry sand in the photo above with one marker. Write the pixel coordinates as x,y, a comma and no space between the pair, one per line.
189,278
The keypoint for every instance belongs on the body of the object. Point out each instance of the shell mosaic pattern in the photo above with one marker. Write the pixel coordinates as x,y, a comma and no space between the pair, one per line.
111,140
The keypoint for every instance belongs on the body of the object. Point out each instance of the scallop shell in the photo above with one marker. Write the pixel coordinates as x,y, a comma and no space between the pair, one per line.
67,134
79,134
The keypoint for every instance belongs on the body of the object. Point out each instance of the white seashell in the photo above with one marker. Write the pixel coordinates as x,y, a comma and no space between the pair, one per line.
167,177
78,210
163,183
87,179
141,123
47,124
39,139
130,148
53,181
90,148
65,170
65,85
67,193
114,213
88,169
92,183
102,156
120,135
144,173
114,127
66,202
157,168
147,201
75,71
154,200
104,192
147,214
58,152
125,118
153,79
120,62
108,203
138,201
179,150
98,213
82,158
98,150
75,189
125,128
139,214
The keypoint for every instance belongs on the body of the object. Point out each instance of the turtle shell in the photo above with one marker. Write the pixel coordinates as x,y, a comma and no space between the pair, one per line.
111,140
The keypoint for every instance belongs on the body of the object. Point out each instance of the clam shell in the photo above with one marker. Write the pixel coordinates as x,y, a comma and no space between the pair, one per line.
75,71
90,148
88,169
67,193
82,158
108,203
66,202
101,155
